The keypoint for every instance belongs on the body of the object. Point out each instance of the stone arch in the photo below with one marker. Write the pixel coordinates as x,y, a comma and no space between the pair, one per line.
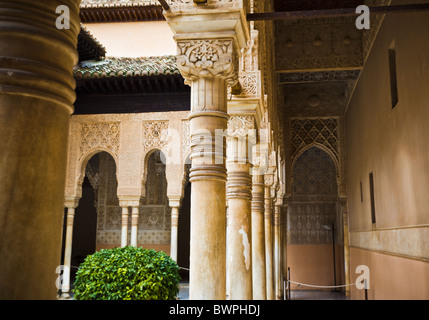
147,157
145,161
314,222
82,163
305,152
98,206
327,151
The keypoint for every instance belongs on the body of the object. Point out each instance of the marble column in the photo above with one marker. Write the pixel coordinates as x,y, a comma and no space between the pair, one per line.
65,290
124,229
134,225
268,215
239,194
36,100
175,205
277,275
258,237
208,65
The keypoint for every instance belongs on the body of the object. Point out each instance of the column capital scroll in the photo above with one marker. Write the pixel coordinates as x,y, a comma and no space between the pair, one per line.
208,58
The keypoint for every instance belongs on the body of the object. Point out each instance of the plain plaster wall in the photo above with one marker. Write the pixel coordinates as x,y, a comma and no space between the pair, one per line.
394,145
134,39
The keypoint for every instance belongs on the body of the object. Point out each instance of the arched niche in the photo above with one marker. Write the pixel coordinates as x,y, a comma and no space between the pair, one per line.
314,227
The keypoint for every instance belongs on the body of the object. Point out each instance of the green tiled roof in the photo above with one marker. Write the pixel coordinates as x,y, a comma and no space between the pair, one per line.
126,67
117,3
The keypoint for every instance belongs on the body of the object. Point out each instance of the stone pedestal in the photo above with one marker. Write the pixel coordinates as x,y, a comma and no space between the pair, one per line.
36,100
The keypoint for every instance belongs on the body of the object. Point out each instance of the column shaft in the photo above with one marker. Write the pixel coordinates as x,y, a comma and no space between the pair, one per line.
208,195
277,276
124,229
68,252
174,232
36,100
269,243
239,231
258,238
346,250
134,225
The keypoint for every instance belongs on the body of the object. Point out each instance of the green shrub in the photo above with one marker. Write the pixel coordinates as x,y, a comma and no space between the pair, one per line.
127,273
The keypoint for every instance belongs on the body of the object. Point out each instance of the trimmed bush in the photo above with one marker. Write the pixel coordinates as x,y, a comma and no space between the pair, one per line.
127,273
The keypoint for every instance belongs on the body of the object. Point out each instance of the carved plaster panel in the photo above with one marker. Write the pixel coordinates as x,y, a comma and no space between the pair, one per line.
155,135
240,125
99,135
314,44
315,99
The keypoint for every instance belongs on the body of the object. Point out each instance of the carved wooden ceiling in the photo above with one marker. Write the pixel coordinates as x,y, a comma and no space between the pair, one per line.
317,60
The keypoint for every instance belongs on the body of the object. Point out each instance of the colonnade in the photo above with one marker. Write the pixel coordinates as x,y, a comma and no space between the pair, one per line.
208,60
245,247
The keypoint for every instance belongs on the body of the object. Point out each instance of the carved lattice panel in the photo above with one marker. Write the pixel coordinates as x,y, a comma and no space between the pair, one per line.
307,132
307,220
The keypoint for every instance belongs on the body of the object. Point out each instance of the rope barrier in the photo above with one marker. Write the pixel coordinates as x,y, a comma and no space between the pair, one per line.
317,286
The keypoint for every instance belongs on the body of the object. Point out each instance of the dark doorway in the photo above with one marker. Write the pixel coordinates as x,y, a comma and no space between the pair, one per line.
184,232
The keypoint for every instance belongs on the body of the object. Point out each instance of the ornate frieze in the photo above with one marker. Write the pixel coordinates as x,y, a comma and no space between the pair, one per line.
319,76
189,5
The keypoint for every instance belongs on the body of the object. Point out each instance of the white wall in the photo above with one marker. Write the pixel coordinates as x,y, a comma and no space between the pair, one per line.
134,39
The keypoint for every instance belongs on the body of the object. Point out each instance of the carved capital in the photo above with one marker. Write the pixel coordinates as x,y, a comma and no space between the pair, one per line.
268,180
243,125
71,202
208,58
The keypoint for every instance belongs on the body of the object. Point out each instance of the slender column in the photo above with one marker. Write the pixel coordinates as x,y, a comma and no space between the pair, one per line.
134,225
258,237
283,247
269,237
208,66
175,205
124,229
277,276
343,201
68,252
36,100
239,258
